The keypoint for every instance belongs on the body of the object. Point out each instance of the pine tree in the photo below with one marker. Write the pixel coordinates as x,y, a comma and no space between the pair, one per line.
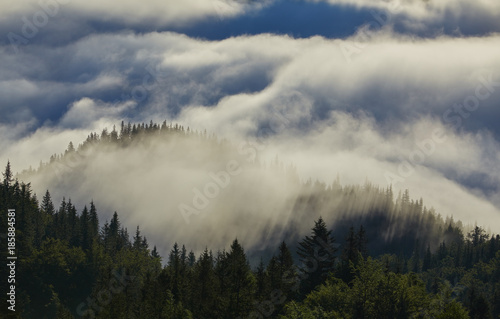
74,225
122,130
94,222
349,257
86,242
47,205
61,224
362,242
262,281
114,239
241,282
27,208
191,259
154,253
284,277
137,245
415,261
174,271
40,225
7,176
273,272
317,255
427,259
113,135
70,149
287,273
204,286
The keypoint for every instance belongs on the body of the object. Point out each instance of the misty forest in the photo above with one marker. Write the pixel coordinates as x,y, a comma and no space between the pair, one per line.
264,244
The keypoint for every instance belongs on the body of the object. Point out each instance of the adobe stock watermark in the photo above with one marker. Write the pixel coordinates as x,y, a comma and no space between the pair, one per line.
210,190
32,24
117,284
454,115
381,18
221,180
11,259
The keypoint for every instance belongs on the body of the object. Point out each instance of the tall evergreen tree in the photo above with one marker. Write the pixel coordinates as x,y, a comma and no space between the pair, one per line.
362,242
317,255
73,224
204,286
7,176
86,242
262,281
61,224
137,244
174,267
94,221
241,282
47,205
427,259
349,257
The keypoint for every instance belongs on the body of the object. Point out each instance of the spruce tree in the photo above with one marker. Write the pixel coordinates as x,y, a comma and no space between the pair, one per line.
94,222
86,242
262,281
7,176
349,257
241,282
317,255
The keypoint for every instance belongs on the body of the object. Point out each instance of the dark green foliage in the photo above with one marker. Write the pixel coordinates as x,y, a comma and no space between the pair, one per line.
317,255
240,282
354,251
406,262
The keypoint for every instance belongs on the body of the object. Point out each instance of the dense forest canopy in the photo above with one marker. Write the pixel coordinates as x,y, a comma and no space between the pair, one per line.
365,253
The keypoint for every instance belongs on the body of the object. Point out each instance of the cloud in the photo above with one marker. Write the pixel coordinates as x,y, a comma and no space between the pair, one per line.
359,107
86,112
430,17
160,11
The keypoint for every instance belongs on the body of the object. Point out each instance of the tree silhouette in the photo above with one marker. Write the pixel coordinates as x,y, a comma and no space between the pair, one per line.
317,255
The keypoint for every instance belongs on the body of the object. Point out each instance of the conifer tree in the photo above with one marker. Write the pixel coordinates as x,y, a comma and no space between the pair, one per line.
427,259
73,225
317,255
241,282
94,221
204,284
7,176
47,205
349,257
86,242
262,281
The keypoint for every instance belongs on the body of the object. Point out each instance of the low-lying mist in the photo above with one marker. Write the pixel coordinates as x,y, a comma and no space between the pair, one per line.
201,191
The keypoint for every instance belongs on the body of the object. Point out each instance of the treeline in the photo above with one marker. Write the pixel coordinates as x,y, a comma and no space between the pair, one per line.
127,135
421,264
70,267
400,225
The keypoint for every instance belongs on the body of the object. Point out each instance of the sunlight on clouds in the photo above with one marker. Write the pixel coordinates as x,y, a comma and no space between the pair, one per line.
161,11
86,112
329,115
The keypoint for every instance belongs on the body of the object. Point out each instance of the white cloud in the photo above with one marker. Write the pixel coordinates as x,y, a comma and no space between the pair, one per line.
86,113
329,115
160,12
425,10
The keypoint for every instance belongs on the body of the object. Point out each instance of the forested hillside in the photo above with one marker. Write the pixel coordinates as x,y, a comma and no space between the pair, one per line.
326,251
167,173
